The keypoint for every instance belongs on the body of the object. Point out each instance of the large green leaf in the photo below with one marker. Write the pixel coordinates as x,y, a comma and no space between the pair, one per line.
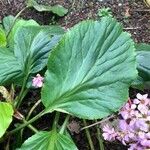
29,53
56,9
6,113
48,141
90,70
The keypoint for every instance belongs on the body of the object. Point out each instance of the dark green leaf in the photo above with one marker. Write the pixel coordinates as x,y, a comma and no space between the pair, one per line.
9,67
56,9
29,54
48,141
143,60
90,70
6,113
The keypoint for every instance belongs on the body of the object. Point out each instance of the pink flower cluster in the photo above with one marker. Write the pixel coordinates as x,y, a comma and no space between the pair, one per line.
133,127
37,81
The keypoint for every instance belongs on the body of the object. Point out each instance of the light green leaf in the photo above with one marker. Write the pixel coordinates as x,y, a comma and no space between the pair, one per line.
6,113
56,9
2,38
90,70
7,23
48,141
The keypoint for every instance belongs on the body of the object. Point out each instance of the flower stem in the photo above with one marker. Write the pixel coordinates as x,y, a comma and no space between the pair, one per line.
31,127
88,135
101,145
22,93
99,122
32,109
64,124
27,123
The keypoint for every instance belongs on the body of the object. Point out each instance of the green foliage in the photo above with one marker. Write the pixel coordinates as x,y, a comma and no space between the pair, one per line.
6,113
10,22
29,46
87,75
3,41
105,12
143,60
48,141
56,9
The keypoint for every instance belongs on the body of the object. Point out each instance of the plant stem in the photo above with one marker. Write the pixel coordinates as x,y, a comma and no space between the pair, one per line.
27,123
23,125
32,109
22,93
88,135
15,19
64,124
101,145
56,119
31,127
96,123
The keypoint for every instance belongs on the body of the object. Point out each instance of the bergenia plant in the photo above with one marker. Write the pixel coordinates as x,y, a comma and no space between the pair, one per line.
133,127
89,71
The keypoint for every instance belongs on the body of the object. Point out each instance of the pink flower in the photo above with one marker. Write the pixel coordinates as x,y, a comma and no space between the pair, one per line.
143,99
134,146
123,125
142,125
143,108
109,133
133,128
37,81
145,143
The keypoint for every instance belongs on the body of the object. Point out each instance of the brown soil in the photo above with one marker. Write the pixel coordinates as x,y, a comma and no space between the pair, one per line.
134,15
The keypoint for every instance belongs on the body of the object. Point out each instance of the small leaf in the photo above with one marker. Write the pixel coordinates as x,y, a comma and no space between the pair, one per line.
8,22
2,38
48,141
6,113
87,72
143,59
56,9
